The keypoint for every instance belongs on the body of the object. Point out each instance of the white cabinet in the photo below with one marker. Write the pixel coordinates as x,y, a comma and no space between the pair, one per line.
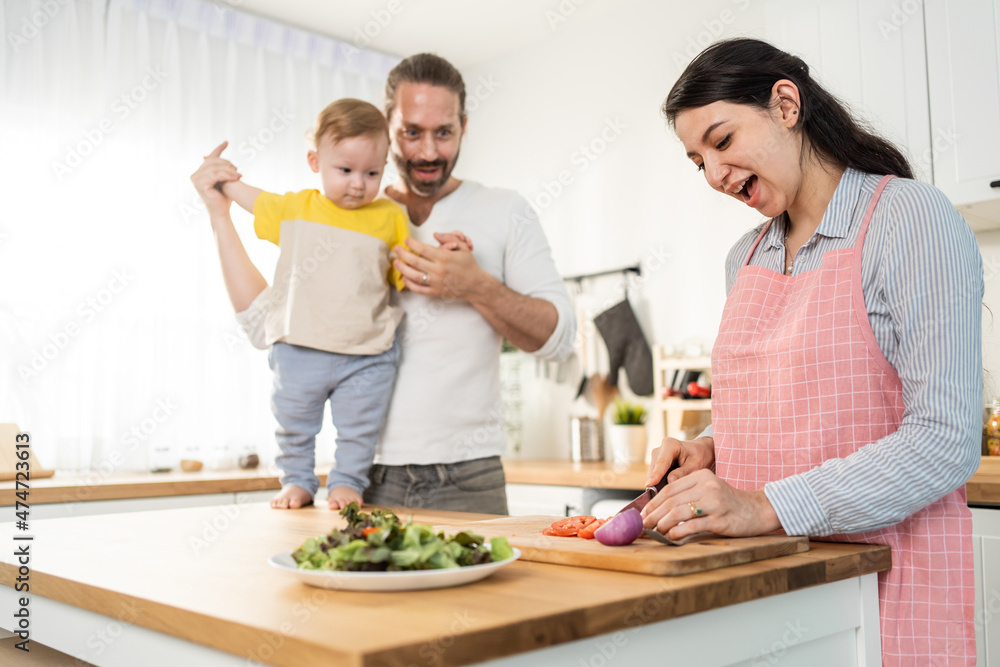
530,499
963,73
870,54
925,75
986,542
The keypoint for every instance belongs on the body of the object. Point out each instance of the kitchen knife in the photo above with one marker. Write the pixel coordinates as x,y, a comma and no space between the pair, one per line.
650,491
641,502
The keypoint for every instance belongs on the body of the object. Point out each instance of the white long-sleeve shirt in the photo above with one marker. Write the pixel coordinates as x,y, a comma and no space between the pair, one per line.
922,280
446,404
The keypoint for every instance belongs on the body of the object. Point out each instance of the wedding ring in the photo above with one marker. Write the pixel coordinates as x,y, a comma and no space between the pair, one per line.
424,279
695,510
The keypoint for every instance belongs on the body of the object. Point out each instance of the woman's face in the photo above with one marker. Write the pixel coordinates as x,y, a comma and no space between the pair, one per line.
748,153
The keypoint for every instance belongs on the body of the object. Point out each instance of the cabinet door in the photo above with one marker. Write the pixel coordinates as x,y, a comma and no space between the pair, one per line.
964,84
529,499
870,54
986,542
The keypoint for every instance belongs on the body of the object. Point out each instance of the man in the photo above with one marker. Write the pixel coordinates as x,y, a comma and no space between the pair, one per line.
444,435
443,438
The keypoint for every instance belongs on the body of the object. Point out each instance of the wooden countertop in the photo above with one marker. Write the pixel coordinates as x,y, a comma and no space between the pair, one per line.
982,489
599,475
73,487
214,587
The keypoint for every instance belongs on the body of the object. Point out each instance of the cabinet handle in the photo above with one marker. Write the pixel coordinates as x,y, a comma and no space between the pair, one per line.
995,184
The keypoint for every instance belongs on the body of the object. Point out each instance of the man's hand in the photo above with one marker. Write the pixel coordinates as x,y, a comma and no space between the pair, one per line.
215,169
450,274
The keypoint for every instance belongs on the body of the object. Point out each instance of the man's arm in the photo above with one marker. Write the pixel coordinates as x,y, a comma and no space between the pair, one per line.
532,309
525,321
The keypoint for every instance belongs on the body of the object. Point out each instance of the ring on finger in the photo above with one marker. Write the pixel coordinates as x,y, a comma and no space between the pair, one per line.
423,279
695,510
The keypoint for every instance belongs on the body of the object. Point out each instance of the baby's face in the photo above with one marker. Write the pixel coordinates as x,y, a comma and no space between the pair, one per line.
351,169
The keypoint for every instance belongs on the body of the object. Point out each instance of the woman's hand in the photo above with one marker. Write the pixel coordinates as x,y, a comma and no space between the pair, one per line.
215,169
701,502
690,455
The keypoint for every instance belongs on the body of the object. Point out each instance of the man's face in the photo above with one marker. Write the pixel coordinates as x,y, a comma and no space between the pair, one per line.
426,133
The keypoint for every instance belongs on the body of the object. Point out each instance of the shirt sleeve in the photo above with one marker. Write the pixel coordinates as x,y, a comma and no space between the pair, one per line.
270,209
530,270
402,232
932,283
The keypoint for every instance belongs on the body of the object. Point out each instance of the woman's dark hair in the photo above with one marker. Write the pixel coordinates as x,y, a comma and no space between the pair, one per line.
743,71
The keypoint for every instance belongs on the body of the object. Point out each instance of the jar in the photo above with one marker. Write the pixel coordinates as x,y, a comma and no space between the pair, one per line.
992,431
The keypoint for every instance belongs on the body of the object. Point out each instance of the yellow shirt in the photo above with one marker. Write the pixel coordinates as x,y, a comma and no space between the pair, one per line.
331,285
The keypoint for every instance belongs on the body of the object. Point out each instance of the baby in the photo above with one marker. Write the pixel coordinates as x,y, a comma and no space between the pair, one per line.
327,318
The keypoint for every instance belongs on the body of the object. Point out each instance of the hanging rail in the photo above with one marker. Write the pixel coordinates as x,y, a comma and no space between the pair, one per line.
636,269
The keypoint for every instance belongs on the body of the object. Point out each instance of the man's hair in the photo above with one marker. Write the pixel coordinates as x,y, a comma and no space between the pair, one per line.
348,118
425,68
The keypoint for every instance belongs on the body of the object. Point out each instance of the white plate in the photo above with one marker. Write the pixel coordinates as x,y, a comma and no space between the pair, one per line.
406,580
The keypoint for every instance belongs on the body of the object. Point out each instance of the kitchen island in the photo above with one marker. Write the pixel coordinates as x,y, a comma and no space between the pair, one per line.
192,587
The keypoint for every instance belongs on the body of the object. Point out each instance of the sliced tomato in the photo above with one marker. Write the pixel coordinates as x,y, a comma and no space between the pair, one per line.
369,530
587,532
567,527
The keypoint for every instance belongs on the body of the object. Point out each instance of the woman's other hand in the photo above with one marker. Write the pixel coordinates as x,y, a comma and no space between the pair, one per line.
690,455
701,502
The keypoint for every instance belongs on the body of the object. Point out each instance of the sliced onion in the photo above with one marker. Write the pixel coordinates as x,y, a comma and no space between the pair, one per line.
624,528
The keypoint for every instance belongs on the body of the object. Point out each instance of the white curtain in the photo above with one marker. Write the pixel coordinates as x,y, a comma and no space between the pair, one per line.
117,341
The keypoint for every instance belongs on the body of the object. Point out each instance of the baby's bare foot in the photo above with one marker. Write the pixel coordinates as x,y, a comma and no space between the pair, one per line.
342,496
291,498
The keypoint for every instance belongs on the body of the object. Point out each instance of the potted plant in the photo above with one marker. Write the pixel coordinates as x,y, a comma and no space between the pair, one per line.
627,433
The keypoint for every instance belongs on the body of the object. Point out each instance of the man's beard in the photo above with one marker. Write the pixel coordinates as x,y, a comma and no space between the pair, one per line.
421,187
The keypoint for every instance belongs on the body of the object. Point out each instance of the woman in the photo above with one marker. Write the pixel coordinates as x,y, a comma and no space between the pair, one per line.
847,376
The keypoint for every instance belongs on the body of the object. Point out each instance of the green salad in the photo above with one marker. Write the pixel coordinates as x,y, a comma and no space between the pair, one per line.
380,542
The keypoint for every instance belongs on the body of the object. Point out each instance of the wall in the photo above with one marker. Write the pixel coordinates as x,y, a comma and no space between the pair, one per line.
573,123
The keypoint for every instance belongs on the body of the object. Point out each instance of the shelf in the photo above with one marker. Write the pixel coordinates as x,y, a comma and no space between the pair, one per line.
670,416
674,403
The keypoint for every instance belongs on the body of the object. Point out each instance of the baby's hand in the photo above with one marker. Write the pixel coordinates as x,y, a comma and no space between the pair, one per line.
454,241
342,496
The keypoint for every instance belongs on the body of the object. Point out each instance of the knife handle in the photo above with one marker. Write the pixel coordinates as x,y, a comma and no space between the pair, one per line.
663,480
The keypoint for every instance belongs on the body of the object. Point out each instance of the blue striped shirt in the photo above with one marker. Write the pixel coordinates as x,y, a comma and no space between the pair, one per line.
922,279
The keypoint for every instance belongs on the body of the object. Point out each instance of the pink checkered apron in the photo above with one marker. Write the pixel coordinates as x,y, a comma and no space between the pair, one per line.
797,379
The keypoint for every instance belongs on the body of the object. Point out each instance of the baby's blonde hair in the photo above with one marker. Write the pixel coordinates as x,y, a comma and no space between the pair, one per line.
348,118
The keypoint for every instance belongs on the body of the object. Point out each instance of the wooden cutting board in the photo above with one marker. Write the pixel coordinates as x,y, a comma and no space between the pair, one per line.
644,556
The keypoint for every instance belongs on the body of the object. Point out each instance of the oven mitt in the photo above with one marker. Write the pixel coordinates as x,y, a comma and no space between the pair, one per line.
626,347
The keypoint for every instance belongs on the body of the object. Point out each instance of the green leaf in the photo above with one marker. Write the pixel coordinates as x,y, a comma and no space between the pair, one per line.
500,549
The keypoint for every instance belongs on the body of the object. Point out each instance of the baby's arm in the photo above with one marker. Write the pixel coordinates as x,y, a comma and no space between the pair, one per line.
241,193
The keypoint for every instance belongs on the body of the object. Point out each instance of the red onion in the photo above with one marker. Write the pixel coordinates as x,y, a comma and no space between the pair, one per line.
624,528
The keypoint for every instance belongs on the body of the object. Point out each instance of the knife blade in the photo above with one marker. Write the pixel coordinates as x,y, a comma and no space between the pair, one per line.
650,491
644,498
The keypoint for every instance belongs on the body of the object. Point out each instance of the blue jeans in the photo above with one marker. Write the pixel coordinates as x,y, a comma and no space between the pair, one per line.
467,486
358,387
